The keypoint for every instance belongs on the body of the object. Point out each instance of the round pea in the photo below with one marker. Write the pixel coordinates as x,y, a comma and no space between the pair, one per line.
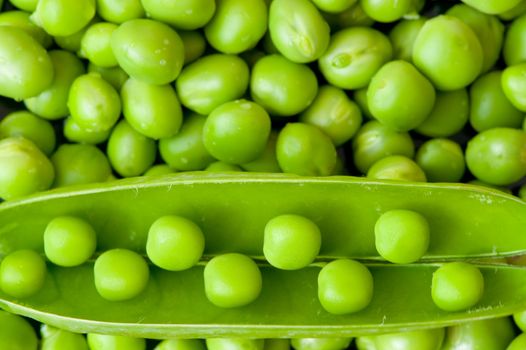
181,344
403,37
492,6
96,44
211,81
63,17
401,236
232,280
426,339
152,110
175,243
334,113
21,19
345,286
69,241
354,16
116,76
120,274
304,149
448,52
59,339
396,167
334,6
442,160
16,333
320,343
386,11
186,15
26,68
52,102
514,49
119,11
237,25
26,5
498,156
457,286
114,342
93,103
75,133
22,273
493,333
159,169
291,242
130,153
513,82
24,169
72,42
267,162
236,132
518,343
282,87
194,45
354,55
33,128
390,96
148,50
235,344
301,38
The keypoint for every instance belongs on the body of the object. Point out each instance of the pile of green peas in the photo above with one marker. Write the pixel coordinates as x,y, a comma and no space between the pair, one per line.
96,90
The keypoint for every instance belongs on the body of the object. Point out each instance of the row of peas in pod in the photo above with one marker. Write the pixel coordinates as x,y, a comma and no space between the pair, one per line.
408,91
493,334
290,242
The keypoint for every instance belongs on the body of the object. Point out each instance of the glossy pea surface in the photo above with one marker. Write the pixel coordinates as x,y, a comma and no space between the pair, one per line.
181,344
513,82
114,342
16,333
396,167
235,344
96,44
442,160
119,11
22,273
338,343
403,37
427,339
76,133
186,15
57,339
63,17
21,19
495,333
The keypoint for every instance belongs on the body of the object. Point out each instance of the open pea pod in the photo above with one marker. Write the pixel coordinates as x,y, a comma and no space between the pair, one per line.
466,222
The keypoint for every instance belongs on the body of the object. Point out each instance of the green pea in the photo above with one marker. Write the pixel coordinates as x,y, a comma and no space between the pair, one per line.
282,87
232,280
119,11
120,274
375,141
237,25
345,286
22,273
188,15
498,156
390,96
116,76
442,160
194,45
211,81
301,38
181,344
492,6
518,343
58,339
448,52
490,334
186,150
114,342
21,19
488,29
72,42
52,102
513,82
396,167
130,152
334,113
334,6
31,127
16,333
220,167
236,132
96,44
386,11
63,17
267,162
234,344
175,243
69,241
320,343
513,13
354,16
360,97
159,169
354,55
401,236
291,242
520,319
75,133
152,110
93,103
24,169
304,149
79,164
403,37
448,116
27,69
457,286
26,5
426,339
148,50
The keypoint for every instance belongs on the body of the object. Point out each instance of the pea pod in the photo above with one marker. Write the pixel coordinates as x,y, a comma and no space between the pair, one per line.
463,220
